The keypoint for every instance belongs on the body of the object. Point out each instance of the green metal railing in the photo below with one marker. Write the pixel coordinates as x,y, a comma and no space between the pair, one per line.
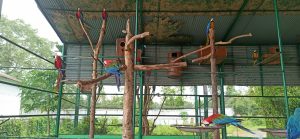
61,86
281,60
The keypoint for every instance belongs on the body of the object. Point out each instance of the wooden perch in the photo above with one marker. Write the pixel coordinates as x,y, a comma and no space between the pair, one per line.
86,85
160,66
190,53
139,36
232,39
269,59
87,35
208,46
200,59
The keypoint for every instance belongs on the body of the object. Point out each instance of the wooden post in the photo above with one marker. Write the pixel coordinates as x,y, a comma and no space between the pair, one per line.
213,68
94,76
128,88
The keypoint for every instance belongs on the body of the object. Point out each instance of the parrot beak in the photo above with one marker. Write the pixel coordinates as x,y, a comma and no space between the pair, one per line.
205,123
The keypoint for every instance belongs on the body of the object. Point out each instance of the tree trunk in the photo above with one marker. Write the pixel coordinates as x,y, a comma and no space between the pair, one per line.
147,102
93,100
128,89
214,84
128,86
94,76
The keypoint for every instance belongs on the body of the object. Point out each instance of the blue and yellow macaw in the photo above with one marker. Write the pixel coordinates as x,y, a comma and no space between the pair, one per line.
210,24
293,125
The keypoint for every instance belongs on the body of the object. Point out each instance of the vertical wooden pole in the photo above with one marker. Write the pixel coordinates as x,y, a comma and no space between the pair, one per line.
128,88
213,68
94,76
93,100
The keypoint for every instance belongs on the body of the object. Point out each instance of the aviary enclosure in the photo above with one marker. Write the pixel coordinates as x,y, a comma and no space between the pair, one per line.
141,44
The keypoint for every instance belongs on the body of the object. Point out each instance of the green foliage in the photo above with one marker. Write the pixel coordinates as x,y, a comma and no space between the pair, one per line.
173,101
241,105
183,115
24,35
114,102
37,100
36,127
275,106
167,130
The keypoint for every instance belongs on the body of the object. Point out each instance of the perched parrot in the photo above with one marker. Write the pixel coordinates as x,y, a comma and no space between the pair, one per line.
58,63
104,14
293,125
112,67
220,119
79,16
209,26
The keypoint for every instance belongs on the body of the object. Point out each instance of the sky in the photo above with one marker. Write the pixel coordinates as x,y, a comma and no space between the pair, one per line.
28,11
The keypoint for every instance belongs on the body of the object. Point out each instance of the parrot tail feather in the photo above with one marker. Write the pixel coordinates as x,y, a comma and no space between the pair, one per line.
245,129
118,81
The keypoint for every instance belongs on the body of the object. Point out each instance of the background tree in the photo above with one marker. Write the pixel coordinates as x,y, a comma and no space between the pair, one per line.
241,105
24,35
37,100
12,58
275,106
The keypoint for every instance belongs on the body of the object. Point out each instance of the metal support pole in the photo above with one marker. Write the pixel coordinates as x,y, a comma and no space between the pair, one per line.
77,102
88,104
281,59
260,59
60,93
205,106
140,136
135,62
222,99
197,119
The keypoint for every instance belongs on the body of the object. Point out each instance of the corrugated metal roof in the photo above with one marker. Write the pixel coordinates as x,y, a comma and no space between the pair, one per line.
257,18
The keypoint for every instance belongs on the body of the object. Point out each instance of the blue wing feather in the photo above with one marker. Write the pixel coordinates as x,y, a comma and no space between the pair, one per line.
293,125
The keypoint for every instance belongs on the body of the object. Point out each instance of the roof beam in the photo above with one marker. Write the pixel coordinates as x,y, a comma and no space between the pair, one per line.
235,19
172,11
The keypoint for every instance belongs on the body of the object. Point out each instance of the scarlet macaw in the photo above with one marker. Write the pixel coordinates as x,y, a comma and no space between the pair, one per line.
79,16
293,125
112,67
104,14
220,119
58,63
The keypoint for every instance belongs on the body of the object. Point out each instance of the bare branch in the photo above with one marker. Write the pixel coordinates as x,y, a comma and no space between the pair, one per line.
84,84
139,36
87,35
101,36
153,124
200,59
160,66
232,39
190,53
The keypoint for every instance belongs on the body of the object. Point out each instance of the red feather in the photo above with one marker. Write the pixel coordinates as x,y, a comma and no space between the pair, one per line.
104,14
212,117
78,13
58,62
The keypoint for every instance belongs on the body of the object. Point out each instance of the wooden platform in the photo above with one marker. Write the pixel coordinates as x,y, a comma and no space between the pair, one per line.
197,129
274,132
